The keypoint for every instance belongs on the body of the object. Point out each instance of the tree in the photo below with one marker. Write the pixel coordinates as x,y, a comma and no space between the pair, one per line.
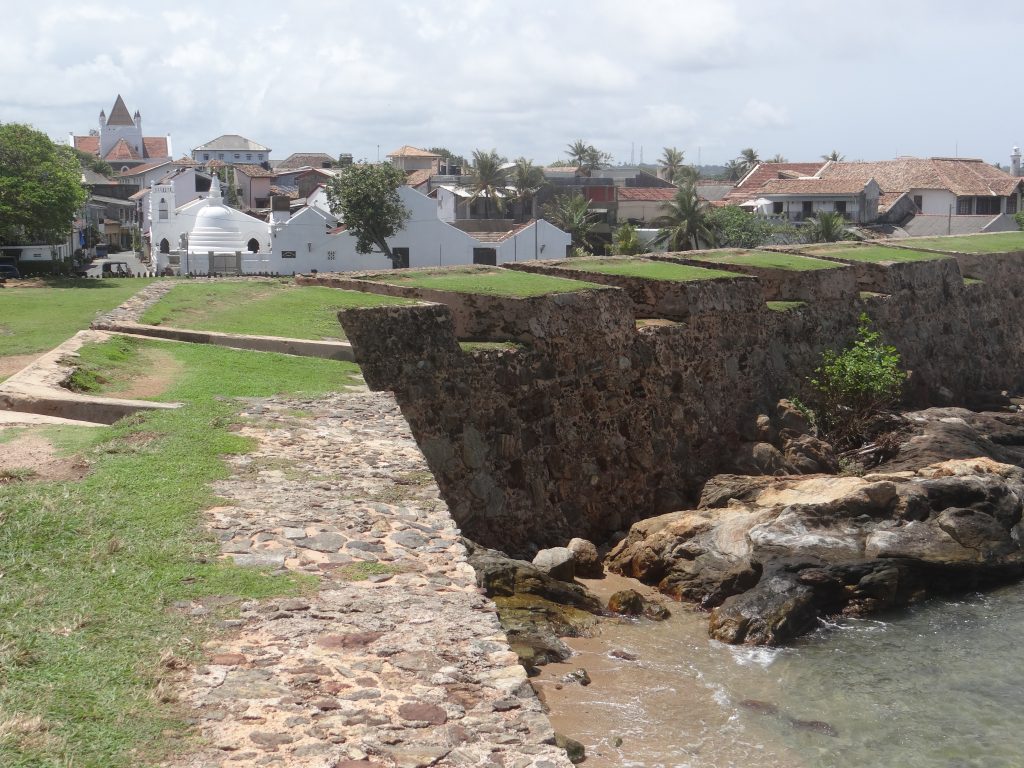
826,228
733,170
777,158
365,197
94,163
625,241
747,160
577,152
488,179
586,157
737,228
448,157
671,162
571,213
685,224
834,156
527,179
40,186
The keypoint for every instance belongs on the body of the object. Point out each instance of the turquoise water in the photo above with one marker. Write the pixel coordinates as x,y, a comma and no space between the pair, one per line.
938,686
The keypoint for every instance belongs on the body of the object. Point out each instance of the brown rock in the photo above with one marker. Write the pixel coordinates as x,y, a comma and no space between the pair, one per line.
350,640
423,713
228,659
588,561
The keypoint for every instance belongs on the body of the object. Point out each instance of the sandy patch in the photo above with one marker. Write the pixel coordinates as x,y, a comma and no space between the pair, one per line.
162,370
11,364
31,457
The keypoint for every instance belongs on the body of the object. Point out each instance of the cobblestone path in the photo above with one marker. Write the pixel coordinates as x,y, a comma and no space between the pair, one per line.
397,660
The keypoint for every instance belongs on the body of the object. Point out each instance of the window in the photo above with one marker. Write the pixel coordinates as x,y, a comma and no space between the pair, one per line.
963,206
988,206
839,206
220,155
488,256
248,156
400,258
287,254
1011,204
165,247
919,202
162,209
206,155
807,208
238,156
253,246
777,208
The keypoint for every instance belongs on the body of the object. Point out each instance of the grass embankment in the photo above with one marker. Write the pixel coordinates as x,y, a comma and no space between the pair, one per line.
649,270
497,282
997,242
768,260
874,253
785,306
38,319
93,570
263,308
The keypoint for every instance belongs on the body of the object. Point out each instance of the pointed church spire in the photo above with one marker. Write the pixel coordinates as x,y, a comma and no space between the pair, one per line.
119,115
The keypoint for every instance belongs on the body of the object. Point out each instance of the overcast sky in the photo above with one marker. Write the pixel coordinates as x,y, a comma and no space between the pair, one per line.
871,79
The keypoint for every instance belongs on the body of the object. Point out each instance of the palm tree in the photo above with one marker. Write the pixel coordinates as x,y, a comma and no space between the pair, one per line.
571,213
487,179
526,180
777,159
747,160
834,156
586,156
733,170
671,162
625,241
826,228
577,152
685,225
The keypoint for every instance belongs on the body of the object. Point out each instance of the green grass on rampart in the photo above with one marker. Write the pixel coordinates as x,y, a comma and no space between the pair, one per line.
874,253
648,270
38,319
997,242
768,260
96,571
497,282
261,308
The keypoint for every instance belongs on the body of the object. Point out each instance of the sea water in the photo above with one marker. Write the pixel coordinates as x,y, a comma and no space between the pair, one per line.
940,685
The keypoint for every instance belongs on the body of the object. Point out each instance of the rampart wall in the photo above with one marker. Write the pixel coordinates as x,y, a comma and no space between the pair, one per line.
597,421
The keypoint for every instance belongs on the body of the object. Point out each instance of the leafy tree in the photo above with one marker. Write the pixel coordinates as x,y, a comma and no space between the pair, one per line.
733,170
1019,218
449,157
834,156
571,213
685,224
586,157
366,198
40,186
626,242
855,385
737,228
526,180
94,163
747,160
577,152
826,227
488,179
671,162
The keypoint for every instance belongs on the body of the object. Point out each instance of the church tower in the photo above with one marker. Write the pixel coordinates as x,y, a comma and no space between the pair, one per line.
120,126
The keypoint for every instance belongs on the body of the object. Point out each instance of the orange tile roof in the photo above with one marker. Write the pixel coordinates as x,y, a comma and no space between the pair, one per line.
407,151
767,171
417,178
155,146
961,176
90,144
813,186
122,151
254,171
647,194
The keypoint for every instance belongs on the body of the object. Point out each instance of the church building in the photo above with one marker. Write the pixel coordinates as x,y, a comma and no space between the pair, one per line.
119,140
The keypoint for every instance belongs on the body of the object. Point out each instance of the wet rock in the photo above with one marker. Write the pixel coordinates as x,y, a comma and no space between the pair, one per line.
618,653
574,750
629,602
761,707
577,676
815,726
587,559
502,576
557,562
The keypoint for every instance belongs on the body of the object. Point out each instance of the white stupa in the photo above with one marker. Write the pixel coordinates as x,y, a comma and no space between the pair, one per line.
216,230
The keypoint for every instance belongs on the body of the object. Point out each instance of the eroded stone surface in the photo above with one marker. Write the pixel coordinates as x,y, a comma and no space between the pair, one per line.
397,659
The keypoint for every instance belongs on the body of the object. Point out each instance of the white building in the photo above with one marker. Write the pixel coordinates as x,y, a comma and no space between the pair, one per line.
119,140
232,149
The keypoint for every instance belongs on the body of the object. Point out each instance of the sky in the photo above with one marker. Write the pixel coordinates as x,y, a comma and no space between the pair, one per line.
870,79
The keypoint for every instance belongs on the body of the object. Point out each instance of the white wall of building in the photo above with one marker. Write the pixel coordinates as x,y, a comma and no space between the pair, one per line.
935,201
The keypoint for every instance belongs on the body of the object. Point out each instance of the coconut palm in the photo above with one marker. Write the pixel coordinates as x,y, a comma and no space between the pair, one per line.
685,225
487,179
834,156
571,213
625,241
747,160
671,162
577,152
586,156
733,170
526,179
777,159
826,228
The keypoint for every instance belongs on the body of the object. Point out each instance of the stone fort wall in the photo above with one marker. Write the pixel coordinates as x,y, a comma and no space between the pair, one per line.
595,421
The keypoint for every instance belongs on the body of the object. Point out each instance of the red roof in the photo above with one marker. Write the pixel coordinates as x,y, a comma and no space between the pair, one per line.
144,168
122,151
155,146
418,178
254,171
90,144
652,194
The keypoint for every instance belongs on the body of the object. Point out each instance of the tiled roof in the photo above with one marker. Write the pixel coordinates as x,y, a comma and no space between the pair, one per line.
90,144
768,171
290,192
215,164
144,168
185,162
306,159
812,186
232,142
417,178
122,151
119,115
961,176
90,176
255,171
155,146
647,194
407,151
140,194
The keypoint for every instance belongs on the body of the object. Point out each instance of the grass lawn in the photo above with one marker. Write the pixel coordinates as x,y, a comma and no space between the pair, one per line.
997,242
874,253
785,306
92,569
768,260
264,308
649,270
497,282
38,319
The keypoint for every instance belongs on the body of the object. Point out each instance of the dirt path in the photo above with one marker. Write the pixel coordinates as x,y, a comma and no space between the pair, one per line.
162,370
11,364
30,456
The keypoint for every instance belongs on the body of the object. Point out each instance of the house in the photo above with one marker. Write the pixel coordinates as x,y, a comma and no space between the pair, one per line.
642,205
298,160
231,149
188,182
120,142
252,183
413,159
143,175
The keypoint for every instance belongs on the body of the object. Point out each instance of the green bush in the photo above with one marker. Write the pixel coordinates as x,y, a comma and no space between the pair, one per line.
1019,218
855,385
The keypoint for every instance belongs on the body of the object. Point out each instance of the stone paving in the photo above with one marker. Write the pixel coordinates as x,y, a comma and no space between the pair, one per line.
132,308
397,660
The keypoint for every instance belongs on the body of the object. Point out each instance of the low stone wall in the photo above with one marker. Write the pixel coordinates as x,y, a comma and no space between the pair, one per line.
668,299
597,424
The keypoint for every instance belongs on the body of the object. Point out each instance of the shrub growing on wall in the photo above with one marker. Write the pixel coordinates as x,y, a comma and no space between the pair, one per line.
853,386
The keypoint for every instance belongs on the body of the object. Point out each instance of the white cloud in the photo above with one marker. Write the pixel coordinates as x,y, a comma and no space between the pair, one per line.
761,114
